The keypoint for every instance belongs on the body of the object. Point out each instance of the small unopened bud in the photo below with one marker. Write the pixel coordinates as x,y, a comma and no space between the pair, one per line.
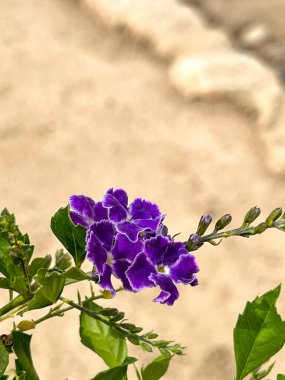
63,260
251,215
273,216
192,242
204,223
260,228
223,222
26,325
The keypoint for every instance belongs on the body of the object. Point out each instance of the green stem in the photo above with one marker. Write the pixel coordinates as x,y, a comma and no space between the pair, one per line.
12,312
111,324
242,231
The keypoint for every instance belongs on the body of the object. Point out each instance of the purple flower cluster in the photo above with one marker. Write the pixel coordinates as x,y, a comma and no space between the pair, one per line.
130,242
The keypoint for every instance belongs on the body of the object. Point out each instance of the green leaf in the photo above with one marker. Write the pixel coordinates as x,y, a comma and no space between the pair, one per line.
4,358
156,369
280,377
101,338
75,274
51,286
259,333
11,268
72,238
118,373
39,263
21,345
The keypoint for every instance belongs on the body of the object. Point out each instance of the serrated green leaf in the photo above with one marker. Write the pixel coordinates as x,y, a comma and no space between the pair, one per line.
102,339
156,369
259,333
75,274
51,286
4,358
72,238
21,345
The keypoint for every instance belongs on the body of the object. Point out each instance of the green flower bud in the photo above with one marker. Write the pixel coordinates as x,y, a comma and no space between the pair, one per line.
260,228
251,215
223,222
63,260
204,223
273,216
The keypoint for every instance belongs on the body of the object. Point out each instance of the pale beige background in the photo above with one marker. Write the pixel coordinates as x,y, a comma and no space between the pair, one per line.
84,108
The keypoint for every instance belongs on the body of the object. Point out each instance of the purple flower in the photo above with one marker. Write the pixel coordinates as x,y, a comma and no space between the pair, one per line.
84,211
133,220
162,263
110,253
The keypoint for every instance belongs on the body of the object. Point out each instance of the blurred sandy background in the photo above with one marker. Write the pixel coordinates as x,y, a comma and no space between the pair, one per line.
85,107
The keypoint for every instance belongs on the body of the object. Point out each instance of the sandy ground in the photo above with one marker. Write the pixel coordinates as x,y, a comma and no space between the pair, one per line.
239,16
84,108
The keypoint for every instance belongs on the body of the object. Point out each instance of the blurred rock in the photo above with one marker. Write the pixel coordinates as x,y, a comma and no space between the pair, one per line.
232,75
172,28
254,35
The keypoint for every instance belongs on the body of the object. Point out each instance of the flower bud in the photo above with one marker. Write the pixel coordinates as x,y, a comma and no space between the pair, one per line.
260,228
63,260
26,325
273,216
193,240
251,215
223,222
204,223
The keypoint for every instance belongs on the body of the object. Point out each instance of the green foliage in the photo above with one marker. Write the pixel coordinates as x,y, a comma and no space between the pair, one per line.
280,377
72,238
118,373
4,358
102,339
24,362
39,263
156,369
258,375
51,286
258,334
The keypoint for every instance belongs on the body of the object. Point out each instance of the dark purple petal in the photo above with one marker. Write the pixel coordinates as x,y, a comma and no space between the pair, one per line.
119,270
83,206
149,224
173,252
184,268
139,272
105,232
105,280
117,203
77,219
195,282
142,209
129,229
155,248
100,212
96,253
126,249
169,292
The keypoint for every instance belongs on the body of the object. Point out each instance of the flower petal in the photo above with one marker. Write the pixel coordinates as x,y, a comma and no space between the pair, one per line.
139,272
169,292
78,219
174,251
84,207
129,229
105,231
148,224
117,203
184,268
96,253
126,249
142,209
105,280
119,270
155,248
100,212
